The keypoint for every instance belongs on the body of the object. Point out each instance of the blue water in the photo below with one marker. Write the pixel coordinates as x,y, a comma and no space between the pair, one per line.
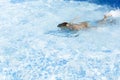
112,3
32,47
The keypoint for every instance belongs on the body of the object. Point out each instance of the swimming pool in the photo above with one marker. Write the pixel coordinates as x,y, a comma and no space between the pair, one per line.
32,47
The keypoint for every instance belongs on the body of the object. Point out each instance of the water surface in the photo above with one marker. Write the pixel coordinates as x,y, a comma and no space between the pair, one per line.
32,47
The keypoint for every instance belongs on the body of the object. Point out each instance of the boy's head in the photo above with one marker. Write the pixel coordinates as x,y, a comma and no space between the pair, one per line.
64,24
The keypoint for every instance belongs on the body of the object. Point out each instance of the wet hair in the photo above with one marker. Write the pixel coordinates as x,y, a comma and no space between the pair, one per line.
62,24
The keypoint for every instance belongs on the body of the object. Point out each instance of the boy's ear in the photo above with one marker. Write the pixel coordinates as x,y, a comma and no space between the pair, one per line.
67,24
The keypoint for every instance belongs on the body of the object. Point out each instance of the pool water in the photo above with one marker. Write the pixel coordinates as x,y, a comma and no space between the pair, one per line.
32,47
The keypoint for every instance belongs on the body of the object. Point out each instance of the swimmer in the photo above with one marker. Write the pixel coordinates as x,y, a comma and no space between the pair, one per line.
73,26
108,18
